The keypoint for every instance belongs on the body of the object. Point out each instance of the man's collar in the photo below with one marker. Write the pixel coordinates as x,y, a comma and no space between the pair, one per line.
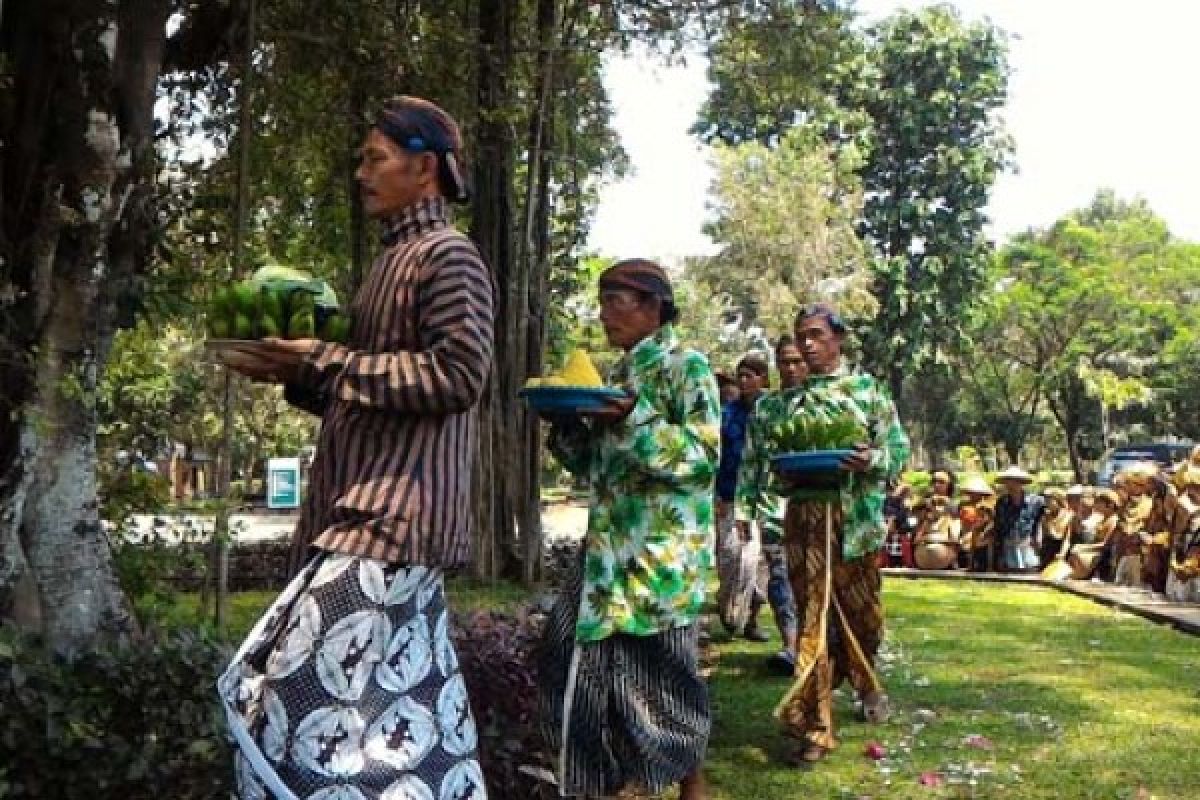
653,348
427,214
840,371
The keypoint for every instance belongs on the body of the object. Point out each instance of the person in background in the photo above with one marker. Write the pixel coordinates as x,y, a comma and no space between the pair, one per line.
1091,558
1056,528
727,385
739,550
1075,501
936,543
1018,514
900,516
1151,517
789,362
622,698
942,485
1155,518
1183,577
976,512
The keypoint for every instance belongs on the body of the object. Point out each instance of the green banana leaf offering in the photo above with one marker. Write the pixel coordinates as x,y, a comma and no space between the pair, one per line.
280,302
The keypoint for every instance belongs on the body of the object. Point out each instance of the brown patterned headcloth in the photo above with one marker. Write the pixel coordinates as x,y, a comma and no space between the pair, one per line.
419,126
643,275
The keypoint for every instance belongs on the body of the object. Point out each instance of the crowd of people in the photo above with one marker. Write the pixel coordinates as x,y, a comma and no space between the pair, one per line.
1142,532
350,686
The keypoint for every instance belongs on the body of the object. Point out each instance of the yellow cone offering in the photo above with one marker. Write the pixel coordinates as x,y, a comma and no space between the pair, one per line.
579,372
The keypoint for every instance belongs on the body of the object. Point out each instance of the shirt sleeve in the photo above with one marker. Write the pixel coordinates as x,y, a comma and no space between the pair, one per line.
448,373
681,452
889,443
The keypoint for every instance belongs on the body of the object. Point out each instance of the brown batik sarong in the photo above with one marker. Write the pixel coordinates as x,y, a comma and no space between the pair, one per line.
841,614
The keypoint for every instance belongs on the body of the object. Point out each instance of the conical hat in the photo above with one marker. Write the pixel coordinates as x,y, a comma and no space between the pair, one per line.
1015,473
977,485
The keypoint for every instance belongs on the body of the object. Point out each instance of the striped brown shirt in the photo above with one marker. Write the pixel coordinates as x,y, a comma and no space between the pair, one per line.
392,475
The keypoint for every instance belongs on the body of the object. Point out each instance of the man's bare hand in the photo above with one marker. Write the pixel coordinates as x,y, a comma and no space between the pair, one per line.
859,460
272,361
616,409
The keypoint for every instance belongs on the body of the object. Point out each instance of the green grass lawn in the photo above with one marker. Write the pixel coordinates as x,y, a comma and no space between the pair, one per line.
1076,701
463,594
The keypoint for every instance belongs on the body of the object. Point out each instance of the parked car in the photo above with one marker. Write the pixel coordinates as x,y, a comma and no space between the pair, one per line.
1164,454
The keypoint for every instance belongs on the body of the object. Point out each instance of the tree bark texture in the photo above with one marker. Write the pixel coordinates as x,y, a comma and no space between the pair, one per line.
77,212
492,228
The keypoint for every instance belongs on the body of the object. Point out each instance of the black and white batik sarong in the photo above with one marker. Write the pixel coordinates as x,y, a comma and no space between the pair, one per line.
348,688
626,711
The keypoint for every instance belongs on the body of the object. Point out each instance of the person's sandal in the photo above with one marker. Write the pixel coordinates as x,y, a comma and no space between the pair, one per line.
876,708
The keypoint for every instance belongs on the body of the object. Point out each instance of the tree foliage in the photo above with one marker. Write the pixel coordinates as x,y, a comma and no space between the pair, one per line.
1085,317
785,225
918,95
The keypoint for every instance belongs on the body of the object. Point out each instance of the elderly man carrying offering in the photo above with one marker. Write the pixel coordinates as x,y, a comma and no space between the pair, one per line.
624,703
831,546
349,686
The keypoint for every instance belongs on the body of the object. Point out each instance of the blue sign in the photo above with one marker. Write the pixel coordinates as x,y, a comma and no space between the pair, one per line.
283,483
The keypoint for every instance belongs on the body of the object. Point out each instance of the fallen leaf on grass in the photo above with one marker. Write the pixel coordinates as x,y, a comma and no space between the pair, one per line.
924,715
931,779
979,742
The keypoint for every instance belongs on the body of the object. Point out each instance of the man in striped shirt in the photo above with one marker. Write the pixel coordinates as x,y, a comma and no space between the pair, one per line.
351,678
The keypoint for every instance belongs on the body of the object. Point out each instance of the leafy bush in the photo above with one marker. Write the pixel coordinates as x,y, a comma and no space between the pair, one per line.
131,722
496,652
143,721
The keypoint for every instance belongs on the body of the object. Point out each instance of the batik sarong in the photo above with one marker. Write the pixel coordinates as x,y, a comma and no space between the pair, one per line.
348,688
740,569
841,615
625,711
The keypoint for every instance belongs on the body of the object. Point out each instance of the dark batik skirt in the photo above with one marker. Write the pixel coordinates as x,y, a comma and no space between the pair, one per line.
625,711
349,688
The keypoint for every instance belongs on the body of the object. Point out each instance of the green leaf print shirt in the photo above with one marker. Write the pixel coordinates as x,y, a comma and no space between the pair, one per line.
863,493
648,551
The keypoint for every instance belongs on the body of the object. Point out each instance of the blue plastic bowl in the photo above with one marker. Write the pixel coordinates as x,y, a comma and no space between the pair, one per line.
811,463
569,400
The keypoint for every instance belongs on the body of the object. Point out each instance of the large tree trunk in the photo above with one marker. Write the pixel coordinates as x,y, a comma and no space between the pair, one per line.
77,179
532,286
492,229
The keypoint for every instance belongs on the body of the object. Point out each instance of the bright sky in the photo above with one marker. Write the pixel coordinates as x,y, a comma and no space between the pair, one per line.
1104,93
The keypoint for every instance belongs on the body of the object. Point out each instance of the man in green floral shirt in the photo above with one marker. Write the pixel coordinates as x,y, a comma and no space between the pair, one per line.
831,536
623,698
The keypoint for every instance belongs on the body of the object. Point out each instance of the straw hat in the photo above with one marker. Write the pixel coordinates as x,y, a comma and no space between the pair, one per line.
977,485
1076,491
1054,491
1140,470
1189,476
1109,496
1015,473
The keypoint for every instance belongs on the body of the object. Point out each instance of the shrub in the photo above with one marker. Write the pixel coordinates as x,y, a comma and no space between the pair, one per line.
129,722
496,652
143,721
